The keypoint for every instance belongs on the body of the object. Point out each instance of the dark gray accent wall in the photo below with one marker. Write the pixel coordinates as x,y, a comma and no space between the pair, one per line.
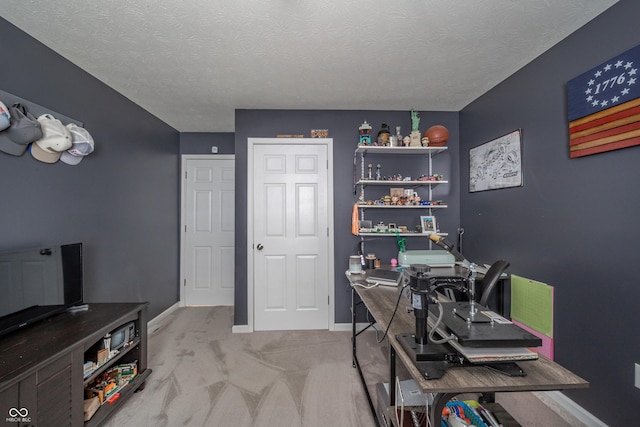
343,128
202,142
574,223
121,202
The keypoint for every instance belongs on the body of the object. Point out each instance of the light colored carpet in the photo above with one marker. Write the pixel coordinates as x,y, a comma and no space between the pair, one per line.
203,375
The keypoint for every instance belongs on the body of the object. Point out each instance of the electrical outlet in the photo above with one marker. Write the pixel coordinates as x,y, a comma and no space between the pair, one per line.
637,382
214,149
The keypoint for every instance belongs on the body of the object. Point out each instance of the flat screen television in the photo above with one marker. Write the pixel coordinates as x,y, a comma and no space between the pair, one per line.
38,283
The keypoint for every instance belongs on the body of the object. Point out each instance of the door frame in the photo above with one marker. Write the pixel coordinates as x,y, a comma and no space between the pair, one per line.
251,143
183,200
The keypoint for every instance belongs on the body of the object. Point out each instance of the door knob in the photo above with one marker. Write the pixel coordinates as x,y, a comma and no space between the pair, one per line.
260,247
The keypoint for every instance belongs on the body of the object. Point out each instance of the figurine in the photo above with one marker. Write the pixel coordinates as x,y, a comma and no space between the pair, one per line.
378,176
365,133
370,176
415,121
406,141
415,129
383,135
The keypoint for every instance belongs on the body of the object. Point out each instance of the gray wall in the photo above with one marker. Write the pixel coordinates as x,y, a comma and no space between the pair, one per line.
121,201
343,128
202,142
574,223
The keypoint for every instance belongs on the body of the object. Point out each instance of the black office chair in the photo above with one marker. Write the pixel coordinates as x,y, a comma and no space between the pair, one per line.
490,280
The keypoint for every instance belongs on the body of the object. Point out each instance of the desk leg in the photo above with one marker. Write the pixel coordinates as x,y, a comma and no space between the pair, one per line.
353,327
354,357
392,375
439,402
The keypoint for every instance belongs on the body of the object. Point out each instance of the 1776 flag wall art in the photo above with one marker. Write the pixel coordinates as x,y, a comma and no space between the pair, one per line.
604,106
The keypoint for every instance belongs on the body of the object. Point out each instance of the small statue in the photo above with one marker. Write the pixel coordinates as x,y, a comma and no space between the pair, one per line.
370,176
406,141
415,121
378,176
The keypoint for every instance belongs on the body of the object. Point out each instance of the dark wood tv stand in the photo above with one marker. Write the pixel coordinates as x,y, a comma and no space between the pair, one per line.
41,367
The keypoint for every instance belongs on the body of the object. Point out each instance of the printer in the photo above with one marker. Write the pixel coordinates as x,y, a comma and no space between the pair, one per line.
432,258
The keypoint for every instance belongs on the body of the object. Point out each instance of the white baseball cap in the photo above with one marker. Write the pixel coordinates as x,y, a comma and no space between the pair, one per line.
55,139
81,145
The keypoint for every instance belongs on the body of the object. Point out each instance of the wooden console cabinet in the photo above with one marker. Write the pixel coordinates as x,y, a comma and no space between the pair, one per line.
41,367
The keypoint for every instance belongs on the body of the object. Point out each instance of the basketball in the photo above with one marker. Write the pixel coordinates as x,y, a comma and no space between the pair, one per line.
438,135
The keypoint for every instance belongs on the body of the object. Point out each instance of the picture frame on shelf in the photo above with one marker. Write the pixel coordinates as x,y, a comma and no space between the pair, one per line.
428,224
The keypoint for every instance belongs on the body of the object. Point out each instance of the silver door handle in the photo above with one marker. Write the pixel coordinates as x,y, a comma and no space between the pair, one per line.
259,247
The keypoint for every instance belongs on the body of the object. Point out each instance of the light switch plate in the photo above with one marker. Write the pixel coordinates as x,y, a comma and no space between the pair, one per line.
637,381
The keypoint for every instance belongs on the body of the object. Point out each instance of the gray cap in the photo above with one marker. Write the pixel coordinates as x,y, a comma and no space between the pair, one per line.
24,128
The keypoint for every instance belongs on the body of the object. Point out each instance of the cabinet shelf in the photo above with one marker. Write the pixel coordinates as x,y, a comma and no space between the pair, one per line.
110,362
105,410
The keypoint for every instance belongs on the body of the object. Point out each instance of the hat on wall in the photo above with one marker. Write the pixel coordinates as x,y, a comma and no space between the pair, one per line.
55,139
5,117
24,129
81,145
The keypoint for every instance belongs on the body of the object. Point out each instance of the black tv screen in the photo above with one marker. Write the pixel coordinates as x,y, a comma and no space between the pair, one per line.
38,283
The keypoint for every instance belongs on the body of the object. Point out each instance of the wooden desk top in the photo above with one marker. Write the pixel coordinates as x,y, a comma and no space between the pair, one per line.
542,374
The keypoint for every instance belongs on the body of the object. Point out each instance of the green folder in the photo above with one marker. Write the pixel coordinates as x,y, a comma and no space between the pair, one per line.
532,304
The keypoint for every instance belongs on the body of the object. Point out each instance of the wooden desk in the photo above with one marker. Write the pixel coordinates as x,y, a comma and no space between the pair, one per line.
542,374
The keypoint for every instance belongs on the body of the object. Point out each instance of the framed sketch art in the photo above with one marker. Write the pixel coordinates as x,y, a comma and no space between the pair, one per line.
428,224
496,164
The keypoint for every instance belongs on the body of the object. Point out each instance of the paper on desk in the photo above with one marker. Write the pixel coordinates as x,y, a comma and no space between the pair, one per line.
532,304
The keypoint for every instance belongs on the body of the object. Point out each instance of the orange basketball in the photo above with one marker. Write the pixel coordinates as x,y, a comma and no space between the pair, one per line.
438,135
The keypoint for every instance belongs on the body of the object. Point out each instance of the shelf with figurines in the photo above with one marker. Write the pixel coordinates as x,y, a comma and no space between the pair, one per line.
366,228
423,180
400,198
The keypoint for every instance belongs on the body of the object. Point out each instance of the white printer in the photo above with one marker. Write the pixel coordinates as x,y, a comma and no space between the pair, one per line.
432,258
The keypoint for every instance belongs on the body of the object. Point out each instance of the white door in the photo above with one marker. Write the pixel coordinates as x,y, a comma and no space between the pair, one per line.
290,236
208,230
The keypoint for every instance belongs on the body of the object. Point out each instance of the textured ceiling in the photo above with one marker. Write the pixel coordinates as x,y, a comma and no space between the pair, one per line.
193,62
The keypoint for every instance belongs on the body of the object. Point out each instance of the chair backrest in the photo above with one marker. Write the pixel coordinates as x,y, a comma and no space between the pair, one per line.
490,279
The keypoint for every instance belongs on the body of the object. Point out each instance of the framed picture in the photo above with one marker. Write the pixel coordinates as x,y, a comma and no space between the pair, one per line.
496,164
428,224
602,104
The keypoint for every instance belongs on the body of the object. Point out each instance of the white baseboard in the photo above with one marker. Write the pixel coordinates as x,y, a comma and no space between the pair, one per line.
154,324
348,326
559,402
241,329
